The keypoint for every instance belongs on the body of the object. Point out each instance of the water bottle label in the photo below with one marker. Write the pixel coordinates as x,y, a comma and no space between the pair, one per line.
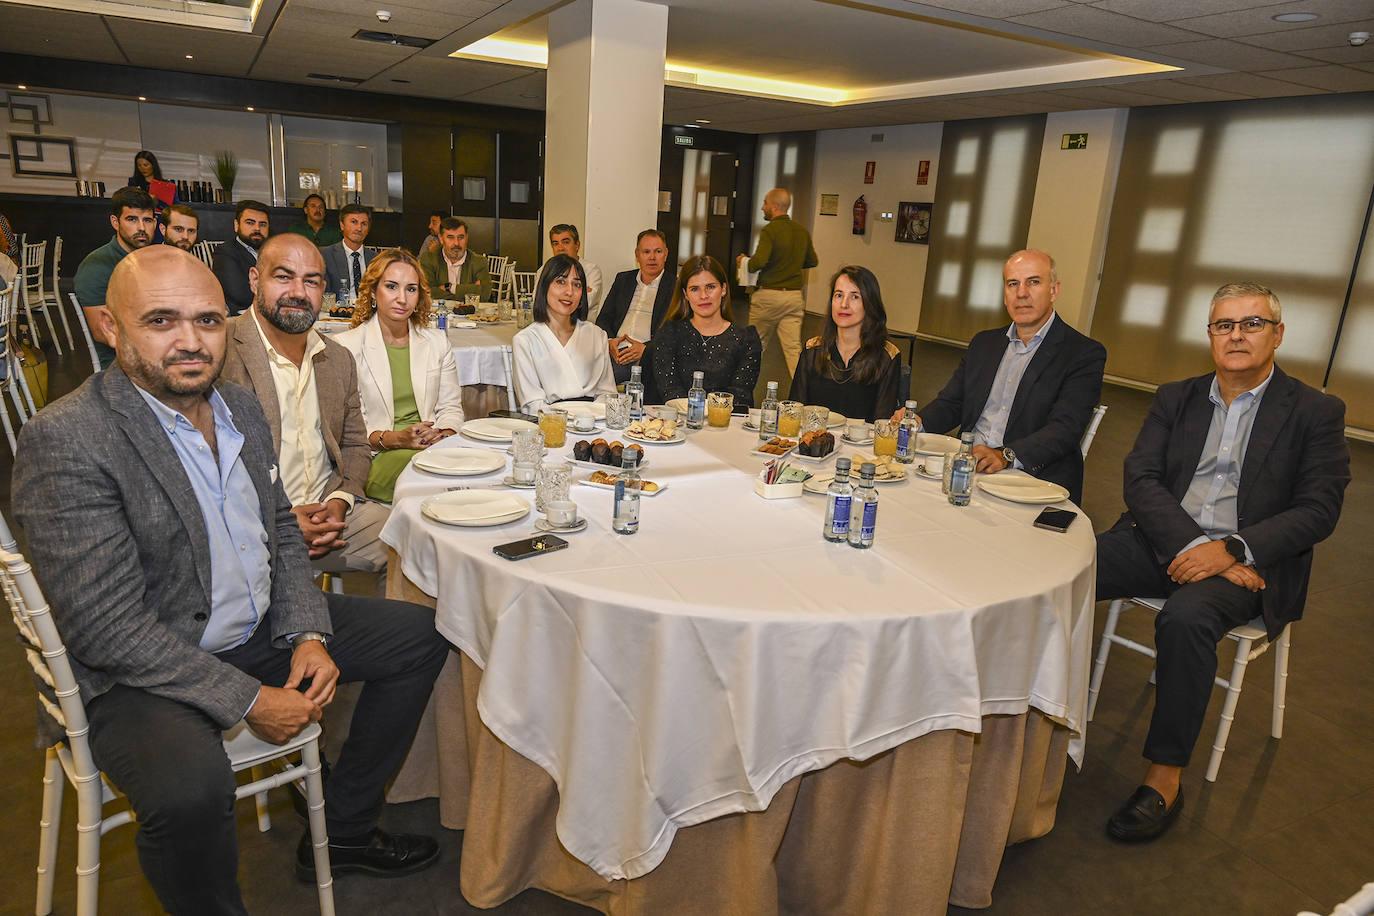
903,440
619,495
768,419
840,524
696,408
960,481
870,521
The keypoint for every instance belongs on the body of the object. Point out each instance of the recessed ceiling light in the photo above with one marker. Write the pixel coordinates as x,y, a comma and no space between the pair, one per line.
250,108
702,121
23,87
143,98
190,57
405,82
1295,17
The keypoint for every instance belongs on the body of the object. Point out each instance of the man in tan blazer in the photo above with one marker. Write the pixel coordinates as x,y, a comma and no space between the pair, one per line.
308,387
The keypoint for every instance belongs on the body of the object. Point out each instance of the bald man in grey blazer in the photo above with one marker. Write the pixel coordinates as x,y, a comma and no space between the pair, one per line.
158,528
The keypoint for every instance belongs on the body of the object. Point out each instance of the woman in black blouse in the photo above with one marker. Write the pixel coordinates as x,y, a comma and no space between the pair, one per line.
697,335
146,168
852,368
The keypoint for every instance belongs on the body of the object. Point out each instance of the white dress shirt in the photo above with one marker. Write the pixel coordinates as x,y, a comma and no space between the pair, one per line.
303,460
639,317
248,248
455,268
546,371
991,428
594,289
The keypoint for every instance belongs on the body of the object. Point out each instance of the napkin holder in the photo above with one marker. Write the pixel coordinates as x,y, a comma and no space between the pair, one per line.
777,490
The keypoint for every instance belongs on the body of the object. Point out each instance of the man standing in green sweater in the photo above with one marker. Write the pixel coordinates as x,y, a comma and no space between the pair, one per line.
783,252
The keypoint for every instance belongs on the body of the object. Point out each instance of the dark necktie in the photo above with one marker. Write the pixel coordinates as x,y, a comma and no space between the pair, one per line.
357,269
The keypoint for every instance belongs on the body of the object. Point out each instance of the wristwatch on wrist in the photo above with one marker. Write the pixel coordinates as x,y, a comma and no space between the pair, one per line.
307,636
1008,456
1235,547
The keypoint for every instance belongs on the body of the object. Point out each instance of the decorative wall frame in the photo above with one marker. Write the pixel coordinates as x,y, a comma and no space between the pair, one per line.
913,222
29,108
42,157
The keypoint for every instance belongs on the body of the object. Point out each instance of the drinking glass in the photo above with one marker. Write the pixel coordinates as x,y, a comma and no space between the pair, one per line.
528,446
553,423
815,418
618,411
719,404
331,302
471,300
884,438
504,310
551,483
789,418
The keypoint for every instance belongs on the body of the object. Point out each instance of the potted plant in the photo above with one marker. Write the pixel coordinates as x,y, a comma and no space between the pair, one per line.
227,171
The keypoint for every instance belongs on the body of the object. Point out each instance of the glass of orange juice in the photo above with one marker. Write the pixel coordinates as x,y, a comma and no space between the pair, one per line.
789,418
885,438
719,404
553,423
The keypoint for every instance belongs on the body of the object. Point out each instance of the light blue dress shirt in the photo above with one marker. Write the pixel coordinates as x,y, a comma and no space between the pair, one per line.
240,565
991,428
1211,497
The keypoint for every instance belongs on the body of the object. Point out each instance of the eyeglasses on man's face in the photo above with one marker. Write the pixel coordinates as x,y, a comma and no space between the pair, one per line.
1252,324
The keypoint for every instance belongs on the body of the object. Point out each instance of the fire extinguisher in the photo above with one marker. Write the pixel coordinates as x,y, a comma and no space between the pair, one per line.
860,216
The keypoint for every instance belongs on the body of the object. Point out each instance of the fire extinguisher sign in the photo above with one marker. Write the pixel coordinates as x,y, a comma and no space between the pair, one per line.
870,171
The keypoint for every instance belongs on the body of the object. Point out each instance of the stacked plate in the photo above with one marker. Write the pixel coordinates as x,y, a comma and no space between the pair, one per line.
1022,489
935,444
591,408
475,508
459,462
836,419
495,429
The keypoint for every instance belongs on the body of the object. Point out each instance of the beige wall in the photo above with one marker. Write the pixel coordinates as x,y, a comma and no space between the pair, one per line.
1073,203
900,267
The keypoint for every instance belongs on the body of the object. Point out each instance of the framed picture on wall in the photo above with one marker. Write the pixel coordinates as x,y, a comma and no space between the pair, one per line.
43,157
474,188
913,222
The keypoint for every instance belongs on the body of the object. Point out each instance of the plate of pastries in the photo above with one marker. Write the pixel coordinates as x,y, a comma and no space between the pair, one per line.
600,453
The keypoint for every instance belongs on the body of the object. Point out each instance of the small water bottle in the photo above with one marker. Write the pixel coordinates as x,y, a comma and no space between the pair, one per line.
837,507
696,401
441,318
863,515
625,514
906,434
768,413
960,472
635,389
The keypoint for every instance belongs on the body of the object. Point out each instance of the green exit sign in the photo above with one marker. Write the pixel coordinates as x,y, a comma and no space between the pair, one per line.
684,140
1074,141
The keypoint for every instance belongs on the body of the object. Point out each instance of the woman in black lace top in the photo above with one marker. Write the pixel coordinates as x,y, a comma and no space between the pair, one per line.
852,367
698,335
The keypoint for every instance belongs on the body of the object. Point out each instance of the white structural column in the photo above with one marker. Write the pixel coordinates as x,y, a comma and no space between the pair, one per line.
604,123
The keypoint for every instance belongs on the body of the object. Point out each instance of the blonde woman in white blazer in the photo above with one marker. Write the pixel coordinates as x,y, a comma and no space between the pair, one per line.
407,375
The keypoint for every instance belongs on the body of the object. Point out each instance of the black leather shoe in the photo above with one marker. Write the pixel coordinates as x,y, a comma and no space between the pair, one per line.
1144,817
385,855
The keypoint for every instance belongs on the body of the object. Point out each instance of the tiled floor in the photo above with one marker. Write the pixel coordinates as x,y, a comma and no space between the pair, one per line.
1288,826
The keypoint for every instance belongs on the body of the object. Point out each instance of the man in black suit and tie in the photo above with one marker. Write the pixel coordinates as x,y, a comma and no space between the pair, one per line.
1235,476
158,527
346,260
236,256
636,303
1026,391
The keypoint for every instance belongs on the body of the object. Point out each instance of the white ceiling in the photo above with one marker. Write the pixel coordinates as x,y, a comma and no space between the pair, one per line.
1229,49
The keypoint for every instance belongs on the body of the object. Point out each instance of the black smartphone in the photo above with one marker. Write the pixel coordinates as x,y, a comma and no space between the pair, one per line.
1055,519
529,547
514,415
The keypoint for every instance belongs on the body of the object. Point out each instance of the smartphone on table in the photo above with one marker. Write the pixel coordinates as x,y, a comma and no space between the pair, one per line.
530,547
1055,519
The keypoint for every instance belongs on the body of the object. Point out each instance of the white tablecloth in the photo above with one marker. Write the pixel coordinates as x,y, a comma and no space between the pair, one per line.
690,670
478,353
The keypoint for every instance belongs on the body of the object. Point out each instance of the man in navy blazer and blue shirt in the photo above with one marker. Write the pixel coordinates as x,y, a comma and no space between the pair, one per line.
1235,476
636,303
1026,391
158,527
346,260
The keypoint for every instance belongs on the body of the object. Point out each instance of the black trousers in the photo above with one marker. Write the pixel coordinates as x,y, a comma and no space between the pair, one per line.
169,759
1195,618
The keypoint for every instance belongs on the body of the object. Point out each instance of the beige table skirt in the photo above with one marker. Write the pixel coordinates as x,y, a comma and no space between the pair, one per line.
480,400
905,832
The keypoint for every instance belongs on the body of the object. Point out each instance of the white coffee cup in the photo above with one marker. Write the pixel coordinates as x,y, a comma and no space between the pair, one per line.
755,416
933,464
858,430
562,513
666,413
522,473
583,422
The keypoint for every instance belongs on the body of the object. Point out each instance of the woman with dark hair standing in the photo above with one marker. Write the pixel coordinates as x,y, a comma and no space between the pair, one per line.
561,356
146,169
852,367
698,335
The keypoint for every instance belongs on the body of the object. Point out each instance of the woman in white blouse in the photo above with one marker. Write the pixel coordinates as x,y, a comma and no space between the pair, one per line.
561,356
407,376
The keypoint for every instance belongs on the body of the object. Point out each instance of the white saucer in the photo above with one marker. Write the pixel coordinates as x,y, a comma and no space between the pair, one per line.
510,482
543,525
856,442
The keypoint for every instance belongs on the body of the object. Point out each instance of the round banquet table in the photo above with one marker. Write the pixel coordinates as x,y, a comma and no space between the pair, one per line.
902,712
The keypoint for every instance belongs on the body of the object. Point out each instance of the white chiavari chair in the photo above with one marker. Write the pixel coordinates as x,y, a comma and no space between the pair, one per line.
31,288
85,332
498,265
1091,434
52,297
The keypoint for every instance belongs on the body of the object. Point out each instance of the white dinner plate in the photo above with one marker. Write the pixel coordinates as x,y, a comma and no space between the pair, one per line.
1023,489
680,404
835,418
935,444
474,508
459,462
495,429
591,407
820,481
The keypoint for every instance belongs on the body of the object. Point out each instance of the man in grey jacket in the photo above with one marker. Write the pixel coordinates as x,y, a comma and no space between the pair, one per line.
159,530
